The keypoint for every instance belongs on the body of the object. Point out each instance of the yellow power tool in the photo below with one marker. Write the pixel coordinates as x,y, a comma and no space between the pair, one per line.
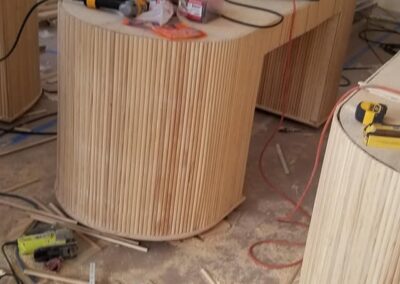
377,133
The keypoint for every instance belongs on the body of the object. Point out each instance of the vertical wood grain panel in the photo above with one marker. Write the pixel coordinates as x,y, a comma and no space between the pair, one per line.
319,55
19,74
146,128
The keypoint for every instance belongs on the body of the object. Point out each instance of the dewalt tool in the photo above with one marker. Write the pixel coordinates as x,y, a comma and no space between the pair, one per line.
368,112
129,8
382,136
377,133
29,244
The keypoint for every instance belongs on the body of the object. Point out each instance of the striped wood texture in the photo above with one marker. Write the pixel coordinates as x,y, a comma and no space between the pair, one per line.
19,74
154,134
318,58
355,227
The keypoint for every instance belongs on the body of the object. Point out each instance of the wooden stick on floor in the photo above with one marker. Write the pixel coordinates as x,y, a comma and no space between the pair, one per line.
282,159
54,277
207,277
20,185
27,146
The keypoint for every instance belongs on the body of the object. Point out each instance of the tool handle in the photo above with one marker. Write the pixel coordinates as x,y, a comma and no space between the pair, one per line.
96,4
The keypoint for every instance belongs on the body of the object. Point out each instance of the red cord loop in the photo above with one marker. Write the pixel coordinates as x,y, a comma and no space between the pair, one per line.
277,242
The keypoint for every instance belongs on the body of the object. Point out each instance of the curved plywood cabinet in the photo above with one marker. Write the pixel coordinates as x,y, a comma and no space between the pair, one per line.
318,57
19,74
355,227
154,134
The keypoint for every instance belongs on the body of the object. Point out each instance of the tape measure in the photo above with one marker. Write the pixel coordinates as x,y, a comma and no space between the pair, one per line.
376,132
368,112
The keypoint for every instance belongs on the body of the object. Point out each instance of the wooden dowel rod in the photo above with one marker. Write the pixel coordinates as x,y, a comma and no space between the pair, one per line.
282,159
207,277
21,185
54,277
37,212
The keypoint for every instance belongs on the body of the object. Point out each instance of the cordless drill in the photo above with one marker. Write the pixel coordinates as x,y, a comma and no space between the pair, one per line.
129,8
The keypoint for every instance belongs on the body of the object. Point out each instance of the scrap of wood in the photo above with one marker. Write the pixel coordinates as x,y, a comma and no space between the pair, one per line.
52,80
36,112
48,76
21,185
27,146
71,224
47,15
282,159
54,277
29,210
41,205
42,219
56,210
207,277
24,129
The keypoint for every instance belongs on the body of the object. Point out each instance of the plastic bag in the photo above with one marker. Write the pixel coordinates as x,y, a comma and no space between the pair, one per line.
160,12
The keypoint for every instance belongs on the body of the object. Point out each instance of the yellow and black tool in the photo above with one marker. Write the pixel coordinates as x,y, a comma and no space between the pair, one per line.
382,136
376,132
130,8
368,112
30,243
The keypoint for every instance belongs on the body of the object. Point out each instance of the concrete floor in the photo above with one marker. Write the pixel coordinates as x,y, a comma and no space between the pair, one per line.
224,254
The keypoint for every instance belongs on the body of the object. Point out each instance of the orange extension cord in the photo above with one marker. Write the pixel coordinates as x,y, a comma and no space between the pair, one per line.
297,205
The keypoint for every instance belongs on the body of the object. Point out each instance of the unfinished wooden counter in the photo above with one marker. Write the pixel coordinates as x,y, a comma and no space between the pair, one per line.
154,134
355,227
318,57
19,74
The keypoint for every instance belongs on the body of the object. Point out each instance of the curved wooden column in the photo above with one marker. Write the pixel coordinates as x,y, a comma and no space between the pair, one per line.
153,134
19,74
355,227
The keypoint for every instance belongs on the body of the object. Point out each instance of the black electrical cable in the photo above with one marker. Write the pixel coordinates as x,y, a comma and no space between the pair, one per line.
358,68
22,198
14,274
36,133
389,47
6,275
346,83
276,23
381,61
364,35
21,29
